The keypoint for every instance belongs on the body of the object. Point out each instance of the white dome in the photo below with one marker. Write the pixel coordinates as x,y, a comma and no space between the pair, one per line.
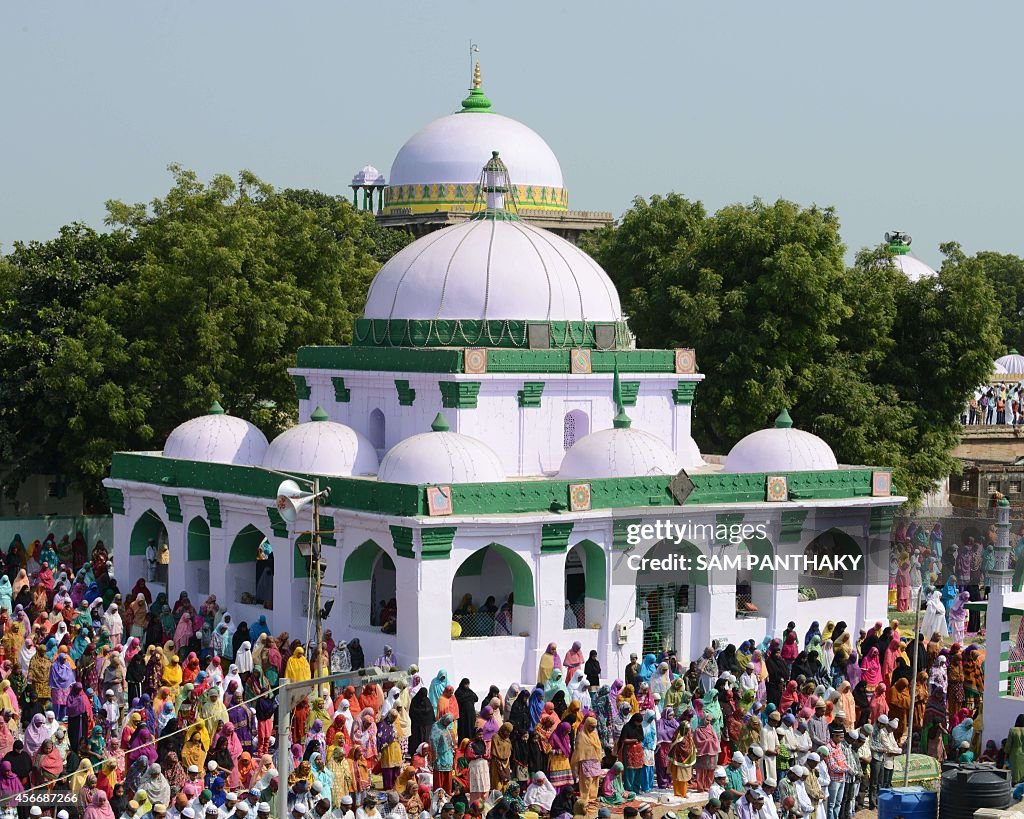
368,175
217,438
780,449
998,368
1012,362
493,269
440,457
625,453
454,148
322,447
913,268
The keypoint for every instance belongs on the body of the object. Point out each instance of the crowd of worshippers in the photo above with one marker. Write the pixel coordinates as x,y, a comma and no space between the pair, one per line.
135,707
1001,404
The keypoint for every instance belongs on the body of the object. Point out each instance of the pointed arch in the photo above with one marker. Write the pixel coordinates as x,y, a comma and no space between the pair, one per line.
148,527
198,539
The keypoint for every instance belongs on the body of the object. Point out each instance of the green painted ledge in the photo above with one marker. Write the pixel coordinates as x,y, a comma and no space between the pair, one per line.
532,496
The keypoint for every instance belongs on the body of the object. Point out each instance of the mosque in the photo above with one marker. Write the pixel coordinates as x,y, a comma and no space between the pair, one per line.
499,455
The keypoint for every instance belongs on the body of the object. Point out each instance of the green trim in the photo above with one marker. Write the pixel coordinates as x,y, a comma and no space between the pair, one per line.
198,540
302,389
522,576
476,103
537,495
792,526
881,520
459,394
472,566
341,393
406,395
683,394
359,564
278,525
629,390
529,395
619,532
115,498
327,535
246,544
554,537
172,505
496,333
436,360
212,511
436,543
401,537
595,568
300,566
760,547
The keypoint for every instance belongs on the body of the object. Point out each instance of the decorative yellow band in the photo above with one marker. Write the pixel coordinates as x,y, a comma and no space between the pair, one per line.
458,197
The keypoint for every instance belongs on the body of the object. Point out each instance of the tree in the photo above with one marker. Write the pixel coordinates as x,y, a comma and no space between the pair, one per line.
217,285
877,365
1006,272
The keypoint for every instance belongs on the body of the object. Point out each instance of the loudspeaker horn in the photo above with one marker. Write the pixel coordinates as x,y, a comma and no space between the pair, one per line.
290,500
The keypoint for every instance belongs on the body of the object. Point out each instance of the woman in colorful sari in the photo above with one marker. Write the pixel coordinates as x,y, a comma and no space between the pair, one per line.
682,757
613,788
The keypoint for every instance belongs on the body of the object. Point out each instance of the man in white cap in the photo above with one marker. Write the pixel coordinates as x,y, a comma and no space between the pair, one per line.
344,810
188,812
751,805
298,811
734,773
804,804
770,744
863,748
752,774
227,810
771,811
211,811
252,802
263,810
891,749
848,744
877,759
721,782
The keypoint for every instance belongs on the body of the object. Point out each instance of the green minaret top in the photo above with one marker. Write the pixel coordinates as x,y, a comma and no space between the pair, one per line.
215,409
477,101
783,421
898,242
1013,352
621,420
319,415
440,423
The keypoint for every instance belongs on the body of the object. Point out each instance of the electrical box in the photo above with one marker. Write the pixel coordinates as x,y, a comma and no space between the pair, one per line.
622,633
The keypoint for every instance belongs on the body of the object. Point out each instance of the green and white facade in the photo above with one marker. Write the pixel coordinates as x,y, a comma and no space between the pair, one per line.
492,430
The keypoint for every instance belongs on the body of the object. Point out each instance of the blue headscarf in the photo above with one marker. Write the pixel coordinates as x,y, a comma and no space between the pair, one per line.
647,668
555,684
79,644
536,706
258,628
51,648
650,730
437,686
963,732
814,629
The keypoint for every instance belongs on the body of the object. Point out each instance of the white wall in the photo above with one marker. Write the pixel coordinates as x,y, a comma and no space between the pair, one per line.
529,440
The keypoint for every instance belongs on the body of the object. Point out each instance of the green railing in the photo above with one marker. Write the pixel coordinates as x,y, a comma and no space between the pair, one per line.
1016,672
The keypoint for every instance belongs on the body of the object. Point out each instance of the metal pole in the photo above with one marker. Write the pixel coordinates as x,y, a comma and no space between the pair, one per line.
284,716
913,690
317,579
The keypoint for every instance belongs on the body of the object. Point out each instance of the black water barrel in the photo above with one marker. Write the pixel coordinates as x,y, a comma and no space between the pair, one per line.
971,786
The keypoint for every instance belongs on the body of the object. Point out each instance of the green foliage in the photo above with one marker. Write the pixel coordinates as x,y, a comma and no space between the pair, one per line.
109,341
878,366
1006,272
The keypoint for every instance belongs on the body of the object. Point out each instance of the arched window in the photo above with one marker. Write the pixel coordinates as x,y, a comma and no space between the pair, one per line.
576,425
377,430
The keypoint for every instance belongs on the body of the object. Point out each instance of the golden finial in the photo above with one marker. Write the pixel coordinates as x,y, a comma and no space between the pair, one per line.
476,75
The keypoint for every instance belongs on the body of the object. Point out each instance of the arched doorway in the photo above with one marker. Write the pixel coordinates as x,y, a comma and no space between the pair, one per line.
585,575
661,594
377,432
250,572
370,580
755,579
148,530
197,558
492,593
827,573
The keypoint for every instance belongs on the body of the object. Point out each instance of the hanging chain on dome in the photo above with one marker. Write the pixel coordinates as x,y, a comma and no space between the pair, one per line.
495,193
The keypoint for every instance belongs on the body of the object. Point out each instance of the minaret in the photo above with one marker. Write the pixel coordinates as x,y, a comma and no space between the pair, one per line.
495,192
621,420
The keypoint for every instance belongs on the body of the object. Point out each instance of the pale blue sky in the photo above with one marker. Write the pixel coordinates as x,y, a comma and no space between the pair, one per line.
902,115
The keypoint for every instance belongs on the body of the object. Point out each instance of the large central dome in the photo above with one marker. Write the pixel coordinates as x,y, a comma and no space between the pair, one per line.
493,269
438,169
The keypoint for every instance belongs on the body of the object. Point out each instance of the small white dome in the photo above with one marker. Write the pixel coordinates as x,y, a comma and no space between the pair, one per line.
493,269
1012,362
217,438
440,457
368,175
625,453
780,449
913,268
454,148
322,447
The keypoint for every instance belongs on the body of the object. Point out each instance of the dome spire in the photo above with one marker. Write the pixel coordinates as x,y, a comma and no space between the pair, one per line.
215,409
621,420
477,100
496,190
898,242
783,421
